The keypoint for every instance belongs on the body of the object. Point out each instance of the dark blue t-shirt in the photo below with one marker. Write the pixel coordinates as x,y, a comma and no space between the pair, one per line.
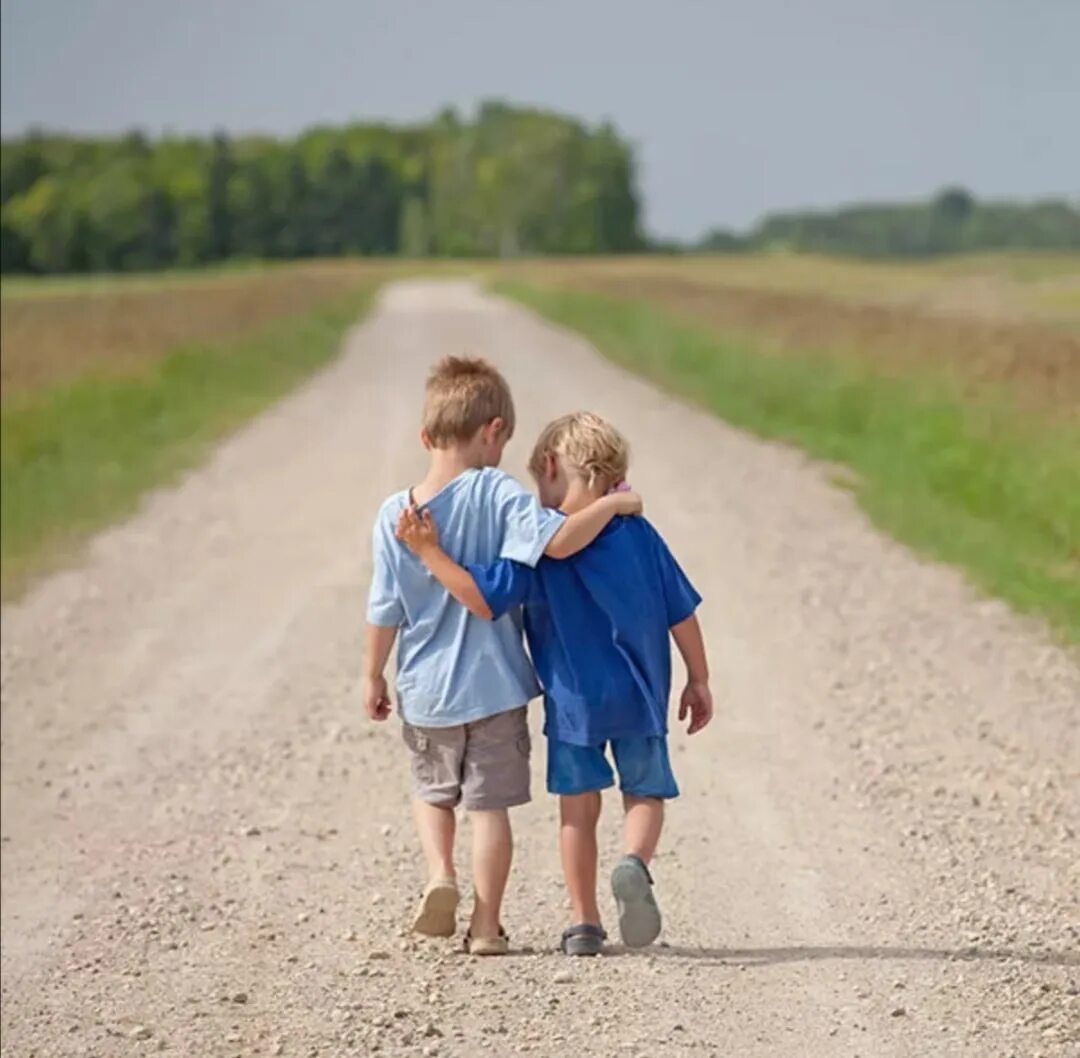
597,625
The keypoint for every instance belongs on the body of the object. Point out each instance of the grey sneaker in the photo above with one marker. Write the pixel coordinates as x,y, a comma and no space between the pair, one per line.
583,939
639,915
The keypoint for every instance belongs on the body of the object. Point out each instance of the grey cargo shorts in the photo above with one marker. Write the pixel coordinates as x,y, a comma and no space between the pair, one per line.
483,765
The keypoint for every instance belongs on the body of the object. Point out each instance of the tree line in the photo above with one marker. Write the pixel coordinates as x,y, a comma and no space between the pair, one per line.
508,181
953,221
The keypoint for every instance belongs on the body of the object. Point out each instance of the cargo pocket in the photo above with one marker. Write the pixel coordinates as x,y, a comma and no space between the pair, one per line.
421,755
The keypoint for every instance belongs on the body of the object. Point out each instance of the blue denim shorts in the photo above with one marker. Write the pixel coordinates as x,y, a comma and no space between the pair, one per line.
643,765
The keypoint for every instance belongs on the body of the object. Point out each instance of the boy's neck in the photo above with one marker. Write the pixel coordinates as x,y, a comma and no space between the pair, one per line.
578,497
446,464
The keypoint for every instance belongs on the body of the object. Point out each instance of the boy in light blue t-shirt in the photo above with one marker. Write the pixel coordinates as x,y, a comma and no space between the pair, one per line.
463,683
598,629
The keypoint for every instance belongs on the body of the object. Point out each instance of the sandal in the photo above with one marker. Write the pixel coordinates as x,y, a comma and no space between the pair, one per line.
437,914
639,915
583,939
499,945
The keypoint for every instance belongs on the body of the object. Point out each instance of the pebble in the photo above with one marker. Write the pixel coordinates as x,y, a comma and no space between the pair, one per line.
563,977
140,1032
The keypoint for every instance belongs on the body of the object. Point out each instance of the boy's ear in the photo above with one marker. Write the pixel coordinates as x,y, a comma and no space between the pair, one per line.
425,440
551,466
494,429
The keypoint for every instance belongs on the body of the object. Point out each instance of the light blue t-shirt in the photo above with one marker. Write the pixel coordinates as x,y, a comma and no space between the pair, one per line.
454,668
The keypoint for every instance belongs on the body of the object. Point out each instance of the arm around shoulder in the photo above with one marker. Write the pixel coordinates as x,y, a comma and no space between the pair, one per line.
458,581
418,532
582,527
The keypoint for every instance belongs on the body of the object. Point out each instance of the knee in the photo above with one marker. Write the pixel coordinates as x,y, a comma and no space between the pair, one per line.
490,818
580,809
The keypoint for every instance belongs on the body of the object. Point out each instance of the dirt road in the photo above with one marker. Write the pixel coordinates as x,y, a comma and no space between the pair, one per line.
207,850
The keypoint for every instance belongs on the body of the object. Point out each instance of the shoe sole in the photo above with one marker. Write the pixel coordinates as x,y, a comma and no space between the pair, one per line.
581,946
437,915
639,915
488,947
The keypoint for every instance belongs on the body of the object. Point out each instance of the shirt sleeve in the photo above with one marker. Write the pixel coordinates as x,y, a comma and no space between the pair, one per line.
503,584
680,597
384,600
527,526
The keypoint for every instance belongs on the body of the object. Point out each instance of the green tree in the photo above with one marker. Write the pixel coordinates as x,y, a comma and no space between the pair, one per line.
218,211
508,180
414,240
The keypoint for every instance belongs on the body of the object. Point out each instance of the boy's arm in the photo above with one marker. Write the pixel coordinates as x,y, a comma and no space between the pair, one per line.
418,532
457,580
696,700
681,602
380,641
385,614
582,527
507,581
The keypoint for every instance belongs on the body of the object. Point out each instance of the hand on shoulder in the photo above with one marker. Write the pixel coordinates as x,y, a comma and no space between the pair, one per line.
627,502
417,530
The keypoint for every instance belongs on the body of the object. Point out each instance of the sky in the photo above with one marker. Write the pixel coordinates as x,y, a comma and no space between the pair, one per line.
735,109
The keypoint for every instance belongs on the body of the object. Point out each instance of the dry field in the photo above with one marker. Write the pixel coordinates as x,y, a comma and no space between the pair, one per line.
983,322
1014,286
54,331
1012,320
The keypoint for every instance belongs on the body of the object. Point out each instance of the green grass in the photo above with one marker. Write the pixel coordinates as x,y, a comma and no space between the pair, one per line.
974,484
78,456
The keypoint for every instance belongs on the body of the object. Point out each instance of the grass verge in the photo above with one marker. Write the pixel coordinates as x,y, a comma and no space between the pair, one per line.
973,483
78,455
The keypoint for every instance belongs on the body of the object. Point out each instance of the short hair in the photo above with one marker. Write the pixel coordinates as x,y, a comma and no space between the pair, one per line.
462,395
588,445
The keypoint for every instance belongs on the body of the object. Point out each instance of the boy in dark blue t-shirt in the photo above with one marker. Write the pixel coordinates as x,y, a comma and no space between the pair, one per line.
597,625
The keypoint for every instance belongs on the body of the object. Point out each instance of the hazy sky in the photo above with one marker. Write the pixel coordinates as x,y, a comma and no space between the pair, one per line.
736,108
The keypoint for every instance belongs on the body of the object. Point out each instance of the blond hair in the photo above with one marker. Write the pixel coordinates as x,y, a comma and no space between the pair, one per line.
588,445
462,395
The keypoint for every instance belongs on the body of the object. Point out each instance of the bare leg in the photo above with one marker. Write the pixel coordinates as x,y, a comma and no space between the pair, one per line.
493,849
436,827
577,846
435,916
644,821
640,921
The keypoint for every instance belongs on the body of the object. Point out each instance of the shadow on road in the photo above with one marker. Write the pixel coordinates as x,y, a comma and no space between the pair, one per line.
766,956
